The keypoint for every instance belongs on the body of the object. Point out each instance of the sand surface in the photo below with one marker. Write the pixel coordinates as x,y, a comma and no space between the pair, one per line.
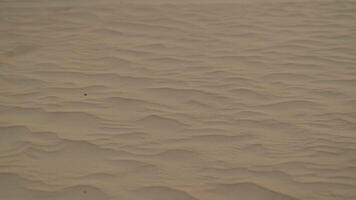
177,100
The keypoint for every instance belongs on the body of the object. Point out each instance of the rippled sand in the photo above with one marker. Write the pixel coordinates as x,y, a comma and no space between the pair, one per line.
108,100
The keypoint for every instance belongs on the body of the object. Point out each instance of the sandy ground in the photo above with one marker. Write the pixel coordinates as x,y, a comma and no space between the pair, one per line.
174,100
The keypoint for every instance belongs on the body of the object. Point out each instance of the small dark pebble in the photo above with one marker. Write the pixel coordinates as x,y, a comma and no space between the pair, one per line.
85,94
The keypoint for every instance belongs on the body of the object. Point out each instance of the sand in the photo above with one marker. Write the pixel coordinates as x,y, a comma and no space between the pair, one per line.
177,100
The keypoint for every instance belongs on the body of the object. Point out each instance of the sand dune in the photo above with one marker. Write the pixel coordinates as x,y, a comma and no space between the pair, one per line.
179,100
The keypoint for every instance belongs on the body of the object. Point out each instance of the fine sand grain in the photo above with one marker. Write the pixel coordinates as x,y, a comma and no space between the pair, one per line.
177,100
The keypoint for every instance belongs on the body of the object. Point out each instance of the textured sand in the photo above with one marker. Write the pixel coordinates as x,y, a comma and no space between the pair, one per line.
171,100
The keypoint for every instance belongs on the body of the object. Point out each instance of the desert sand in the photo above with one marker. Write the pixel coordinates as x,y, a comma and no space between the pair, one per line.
177,100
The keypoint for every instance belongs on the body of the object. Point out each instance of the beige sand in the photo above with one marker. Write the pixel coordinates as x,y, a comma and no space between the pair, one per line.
168,100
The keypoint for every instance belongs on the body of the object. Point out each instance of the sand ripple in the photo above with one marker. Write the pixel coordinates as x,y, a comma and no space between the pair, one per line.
177,100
